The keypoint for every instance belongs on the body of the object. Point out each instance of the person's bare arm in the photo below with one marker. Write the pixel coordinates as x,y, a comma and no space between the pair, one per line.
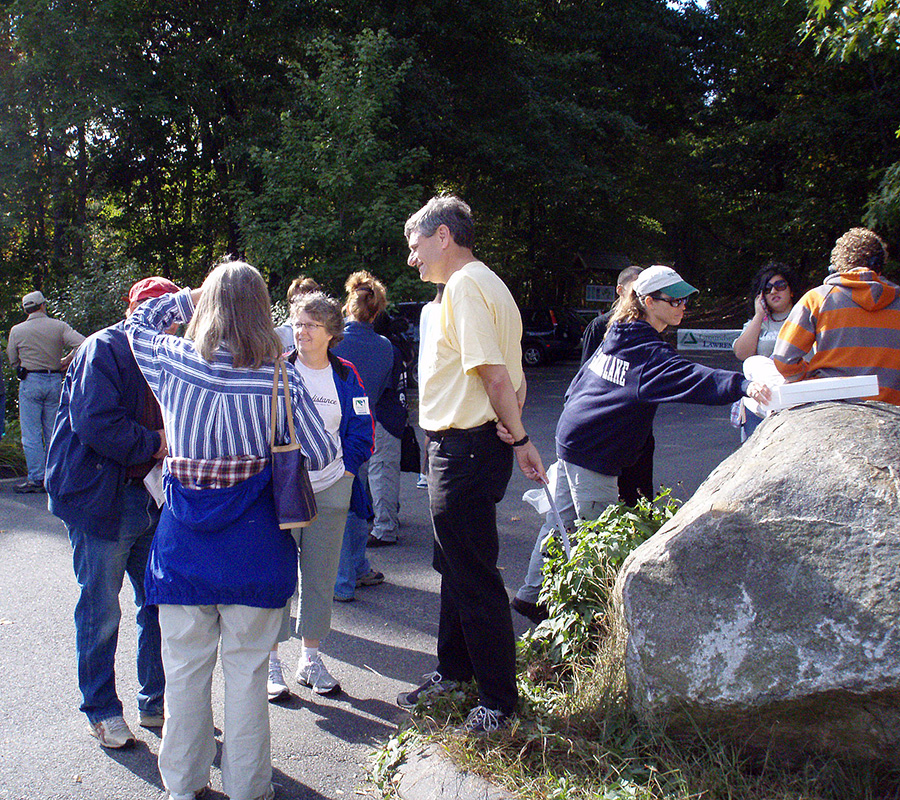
747,343
67,359
520,394
505,402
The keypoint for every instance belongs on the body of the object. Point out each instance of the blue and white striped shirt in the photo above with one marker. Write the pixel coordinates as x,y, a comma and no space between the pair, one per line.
213,410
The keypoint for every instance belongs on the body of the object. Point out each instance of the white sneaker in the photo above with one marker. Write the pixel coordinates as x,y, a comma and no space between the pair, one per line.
112,732
314,675
483,720
200,794
276,685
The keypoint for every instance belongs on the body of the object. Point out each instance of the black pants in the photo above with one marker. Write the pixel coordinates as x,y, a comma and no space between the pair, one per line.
468,474
637,479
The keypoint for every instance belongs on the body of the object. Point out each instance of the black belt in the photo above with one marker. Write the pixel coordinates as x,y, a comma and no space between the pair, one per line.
42,371
448,432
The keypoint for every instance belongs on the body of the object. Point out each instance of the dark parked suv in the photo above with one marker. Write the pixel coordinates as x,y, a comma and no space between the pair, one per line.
550,333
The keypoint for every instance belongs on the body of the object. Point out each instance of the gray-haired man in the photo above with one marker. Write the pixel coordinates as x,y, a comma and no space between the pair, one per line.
471,380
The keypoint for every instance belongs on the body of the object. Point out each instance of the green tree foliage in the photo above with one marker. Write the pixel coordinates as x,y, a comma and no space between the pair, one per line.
303,132
859,28
869,30
138,117
537,113
787,144
338,185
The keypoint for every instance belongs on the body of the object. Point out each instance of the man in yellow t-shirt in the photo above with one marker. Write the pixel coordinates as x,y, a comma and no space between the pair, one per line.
471,387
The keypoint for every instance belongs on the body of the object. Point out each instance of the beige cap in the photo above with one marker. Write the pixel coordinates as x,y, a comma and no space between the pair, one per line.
33,301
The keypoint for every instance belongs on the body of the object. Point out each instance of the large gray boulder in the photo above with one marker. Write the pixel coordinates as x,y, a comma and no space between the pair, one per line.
768,607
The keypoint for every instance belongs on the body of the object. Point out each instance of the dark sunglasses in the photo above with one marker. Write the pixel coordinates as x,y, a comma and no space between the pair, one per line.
775,286
675,302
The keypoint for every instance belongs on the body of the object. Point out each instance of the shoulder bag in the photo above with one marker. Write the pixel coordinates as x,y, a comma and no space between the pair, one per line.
410,457
295,501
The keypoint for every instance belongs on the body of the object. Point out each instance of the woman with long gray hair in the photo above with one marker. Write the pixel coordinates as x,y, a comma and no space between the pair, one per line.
220,568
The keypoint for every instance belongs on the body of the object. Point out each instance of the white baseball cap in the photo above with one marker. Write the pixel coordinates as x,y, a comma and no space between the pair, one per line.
658,278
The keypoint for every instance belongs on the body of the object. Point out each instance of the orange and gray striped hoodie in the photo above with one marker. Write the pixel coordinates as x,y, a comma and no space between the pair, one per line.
852,326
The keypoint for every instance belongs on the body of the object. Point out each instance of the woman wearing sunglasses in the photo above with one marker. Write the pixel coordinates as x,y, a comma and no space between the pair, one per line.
610,404
773,290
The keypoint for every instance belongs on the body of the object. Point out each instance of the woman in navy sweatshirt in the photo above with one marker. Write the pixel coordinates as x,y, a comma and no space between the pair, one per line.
611,402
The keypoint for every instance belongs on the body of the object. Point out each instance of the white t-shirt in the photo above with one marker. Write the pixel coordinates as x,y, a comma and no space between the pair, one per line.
429,321
323,390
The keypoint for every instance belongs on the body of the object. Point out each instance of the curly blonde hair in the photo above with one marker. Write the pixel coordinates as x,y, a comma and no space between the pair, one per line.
859,248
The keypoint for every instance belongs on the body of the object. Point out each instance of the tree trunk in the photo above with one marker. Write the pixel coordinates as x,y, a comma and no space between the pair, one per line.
81,189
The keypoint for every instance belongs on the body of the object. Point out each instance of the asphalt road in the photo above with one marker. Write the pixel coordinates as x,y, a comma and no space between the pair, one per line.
380,644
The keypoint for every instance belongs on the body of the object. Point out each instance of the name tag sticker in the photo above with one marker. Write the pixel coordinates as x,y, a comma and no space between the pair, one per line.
361,405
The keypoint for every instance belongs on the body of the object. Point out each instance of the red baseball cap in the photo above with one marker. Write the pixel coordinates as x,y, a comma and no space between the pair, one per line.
150,287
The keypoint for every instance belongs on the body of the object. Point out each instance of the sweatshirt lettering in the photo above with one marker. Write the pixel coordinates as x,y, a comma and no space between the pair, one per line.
610,368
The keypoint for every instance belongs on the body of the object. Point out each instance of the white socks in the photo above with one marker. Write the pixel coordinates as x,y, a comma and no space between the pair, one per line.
308,654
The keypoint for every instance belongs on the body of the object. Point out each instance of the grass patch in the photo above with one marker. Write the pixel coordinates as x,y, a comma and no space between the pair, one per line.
575,737
12,457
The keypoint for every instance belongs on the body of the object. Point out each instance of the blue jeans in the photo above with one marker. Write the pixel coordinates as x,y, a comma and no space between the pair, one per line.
100,567
750,424
354,563
38,402
580,494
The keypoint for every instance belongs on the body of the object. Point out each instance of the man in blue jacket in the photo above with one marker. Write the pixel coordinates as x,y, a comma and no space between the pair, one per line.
108,436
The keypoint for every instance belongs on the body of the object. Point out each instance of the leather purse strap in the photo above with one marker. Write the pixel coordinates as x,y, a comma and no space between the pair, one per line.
281,371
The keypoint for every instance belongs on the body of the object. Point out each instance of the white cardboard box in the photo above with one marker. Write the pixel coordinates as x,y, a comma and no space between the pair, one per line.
820,389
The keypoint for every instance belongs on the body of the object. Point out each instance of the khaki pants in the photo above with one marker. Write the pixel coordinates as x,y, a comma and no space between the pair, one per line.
190,639
320,554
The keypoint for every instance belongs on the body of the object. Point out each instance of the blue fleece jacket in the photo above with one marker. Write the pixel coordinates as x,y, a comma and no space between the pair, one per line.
357,429
375,358
221,546
97,435
370,353
611,402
